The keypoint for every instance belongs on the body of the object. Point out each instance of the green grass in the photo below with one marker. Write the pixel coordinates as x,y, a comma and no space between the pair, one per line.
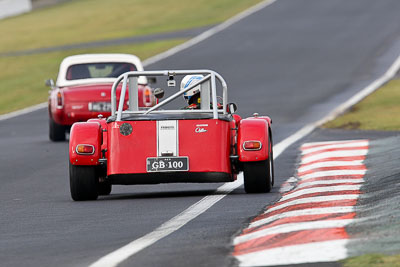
378,111
92,20
22,77
373,260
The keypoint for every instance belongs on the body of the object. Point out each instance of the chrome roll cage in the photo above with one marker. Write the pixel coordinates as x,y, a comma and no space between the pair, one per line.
130,82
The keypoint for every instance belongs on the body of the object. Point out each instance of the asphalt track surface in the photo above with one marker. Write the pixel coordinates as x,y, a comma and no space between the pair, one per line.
293,60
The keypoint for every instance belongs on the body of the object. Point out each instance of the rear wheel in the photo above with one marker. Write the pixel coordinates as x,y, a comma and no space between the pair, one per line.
83,182
56,131
271,161
259,175
104,189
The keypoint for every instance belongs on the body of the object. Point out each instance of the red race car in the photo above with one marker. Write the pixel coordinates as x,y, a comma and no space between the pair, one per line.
82,90
201,142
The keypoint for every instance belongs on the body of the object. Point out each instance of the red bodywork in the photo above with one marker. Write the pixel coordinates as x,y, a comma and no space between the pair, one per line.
90,133
200,143
253,129
129,153
73,106
215,153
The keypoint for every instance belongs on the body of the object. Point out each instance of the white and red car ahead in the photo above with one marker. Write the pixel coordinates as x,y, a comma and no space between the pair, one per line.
134,146
82,90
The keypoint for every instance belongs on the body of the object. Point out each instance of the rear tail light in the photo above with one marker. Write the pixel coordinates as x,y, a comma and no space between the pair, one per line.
147,97
252,145
84,149
59,100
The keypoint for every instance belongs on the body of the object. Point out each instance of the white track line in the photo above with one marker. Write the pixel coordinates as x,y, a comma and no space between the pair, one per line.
292,227
332,173
334,154
347,145
327,182
207,34
22,111
282,146
389,74
329,164
333,188
316,199
312,252
313,144
123,253
302,212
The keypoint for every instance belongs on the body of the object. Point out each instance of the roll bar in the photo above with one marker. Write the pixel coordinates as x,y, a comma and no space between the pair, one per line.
133,76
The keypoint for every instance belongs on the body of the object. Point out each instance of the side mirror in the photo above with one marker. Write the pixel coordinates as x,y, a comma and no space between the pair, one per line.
232,108
50,83
152,80
158,93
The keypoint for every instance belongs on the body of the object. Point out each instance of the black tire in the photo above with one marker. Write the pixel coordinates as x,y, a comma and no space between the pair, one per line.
104,189
259,175
56,131
271,156
83,182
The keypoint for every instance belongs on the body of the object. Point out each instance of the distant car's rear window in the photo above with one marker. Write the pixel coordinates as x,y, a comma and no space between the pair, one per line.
98,70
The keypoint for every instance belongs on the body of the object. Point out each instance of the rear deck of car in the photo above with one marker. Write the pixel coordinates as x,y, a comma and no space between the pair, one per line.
203,140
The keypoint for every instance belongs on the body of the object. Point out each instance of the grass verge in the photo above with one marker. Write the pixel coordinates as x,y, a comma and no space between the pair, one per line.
81,21
22,77
373,260
378,111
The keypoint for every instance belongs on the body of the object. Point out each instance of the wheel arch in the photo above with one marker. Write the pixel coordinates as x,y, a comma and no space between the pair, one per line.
252,129
85,133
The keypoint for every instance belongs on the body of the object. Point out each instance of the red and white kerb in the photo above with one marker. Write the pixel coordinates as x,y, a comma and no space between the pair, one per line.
308,223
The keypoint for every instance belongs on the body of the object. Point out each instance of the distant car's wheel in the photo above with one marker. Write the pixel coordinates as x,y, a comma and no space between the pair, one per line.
104,189
83,182
271,161
56,131
258,175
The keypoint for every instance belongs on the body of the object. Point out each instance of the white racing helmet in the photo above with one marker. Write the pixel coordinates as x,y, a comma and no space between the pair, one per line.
187,81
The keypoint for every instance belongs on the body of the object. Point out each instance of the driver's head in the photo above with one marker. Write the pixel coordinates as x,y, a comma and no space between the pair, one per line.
193,93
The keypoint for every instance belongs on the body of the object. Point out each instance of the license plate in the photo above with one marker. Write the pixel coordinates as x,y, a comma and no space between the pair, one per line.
167,164
100,106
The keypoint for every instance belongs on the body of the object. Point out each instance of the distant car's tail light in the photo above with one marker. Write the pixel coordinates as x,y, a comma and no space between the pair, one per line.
252,145
147,97
85,149
59,100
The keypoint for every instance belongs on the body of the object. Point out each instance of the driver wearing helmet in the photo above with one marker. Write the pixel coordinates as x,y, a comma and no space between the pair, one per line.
192,96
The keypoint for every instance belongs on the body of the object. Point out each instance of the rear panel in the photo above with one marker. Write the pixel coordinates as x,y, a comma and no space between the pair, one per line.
206,143
128,153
